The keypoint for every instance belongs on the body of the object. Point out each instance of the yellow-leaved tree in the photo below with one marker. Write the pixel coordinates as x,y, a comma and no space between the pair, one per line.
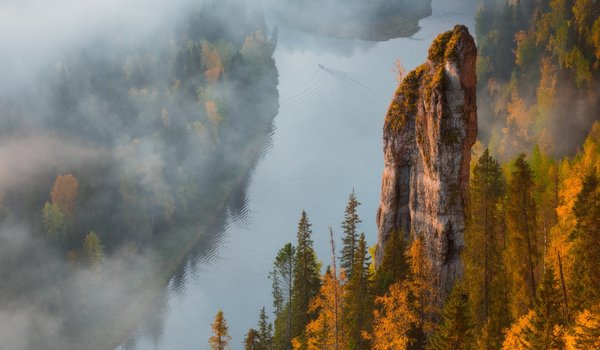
327,331
403,316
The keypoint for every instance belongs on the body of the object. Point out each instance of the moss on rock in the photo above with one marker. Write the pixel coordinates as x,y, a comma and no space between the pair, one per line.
405,99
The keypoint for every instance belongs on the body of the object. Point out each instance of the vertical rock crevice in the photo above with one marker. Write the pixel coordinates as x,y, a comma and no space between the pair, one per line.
429,129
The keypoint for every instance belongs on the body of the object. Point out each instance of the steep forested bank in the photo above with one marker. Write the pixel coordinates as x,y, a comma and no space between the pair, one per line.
538,74
119,156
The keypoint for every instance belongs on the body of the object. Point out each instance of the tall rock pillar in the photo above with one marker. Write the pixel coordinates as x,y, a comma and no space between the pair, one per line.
429,129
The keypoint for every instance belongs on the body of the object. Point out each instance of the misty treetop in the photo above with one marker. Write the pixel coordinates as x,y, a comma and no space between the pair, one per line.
140,142
538,72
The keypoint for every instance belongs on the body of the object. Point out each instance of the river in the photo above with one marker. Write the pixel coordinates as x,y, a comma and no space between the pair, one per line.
326,142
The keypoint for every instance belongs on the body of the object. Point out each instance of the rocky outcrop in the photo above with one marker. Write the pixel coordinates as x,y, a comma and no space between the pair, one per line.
428,133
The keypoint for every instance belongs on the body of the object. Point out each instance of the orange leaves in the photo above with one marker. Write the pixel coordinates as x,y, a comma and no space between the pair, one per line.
327,328
393,319
586,332
212,62
516,335
212,111
64,193
408,305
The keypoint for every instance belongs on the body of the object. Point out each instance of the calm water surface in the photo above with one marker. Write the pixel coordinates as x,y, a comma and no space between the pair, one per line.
326,141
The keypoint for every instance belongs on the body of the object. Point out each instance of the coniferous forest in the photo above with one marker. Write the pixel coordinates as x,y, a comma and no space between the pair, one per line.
531,263
150,153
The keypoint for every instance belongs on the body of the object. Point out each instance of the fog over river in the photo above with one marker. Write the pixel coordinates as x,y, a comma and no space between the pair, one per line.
325,142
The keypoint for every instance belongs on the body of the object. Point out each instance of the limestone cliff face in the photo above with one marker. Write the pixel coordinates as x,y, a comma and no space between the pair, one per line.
428,133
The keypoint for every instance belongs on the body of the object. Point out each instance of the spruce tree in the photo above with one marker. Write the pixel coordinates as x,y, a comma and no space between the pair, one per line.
485,276
306,281
264,338
93,252
350,239
220,338
282,277
522,252
359,300
455,331
586,267
547,314
423,293
394,265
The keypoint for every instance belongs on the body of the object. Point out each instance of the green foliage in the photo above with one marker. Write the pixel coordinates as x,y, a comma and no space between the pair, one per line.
455,330
358,304
394,265
548,314
522,255
485,276
283,278
586,274
518,45
444,46
264,335
437,50
93,251
580,65
306,281
53,221
405,100
350,239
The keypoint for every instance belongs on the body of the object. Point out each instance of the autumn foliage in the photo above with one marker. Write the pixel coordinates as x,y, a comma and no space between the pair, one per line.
64,194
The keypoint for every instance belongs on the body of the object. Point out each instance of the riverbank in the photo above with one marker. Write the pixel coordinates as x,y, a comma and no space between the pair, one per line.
173,257
372,27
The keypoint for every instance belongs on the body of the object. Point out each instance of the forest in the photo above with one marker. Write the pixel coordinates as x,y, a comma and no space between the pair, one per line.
356,19
136,146
532,264
129,150
531,272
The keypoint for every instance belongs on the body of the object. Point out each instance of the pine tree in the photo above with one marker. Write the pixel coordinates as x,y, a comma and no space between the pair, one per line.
93,252
264,338
547,314
543,327
306,282
586,267
220,339
358,306
424,295
485,276
350,239
521,257
394,265
455,331
282,277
